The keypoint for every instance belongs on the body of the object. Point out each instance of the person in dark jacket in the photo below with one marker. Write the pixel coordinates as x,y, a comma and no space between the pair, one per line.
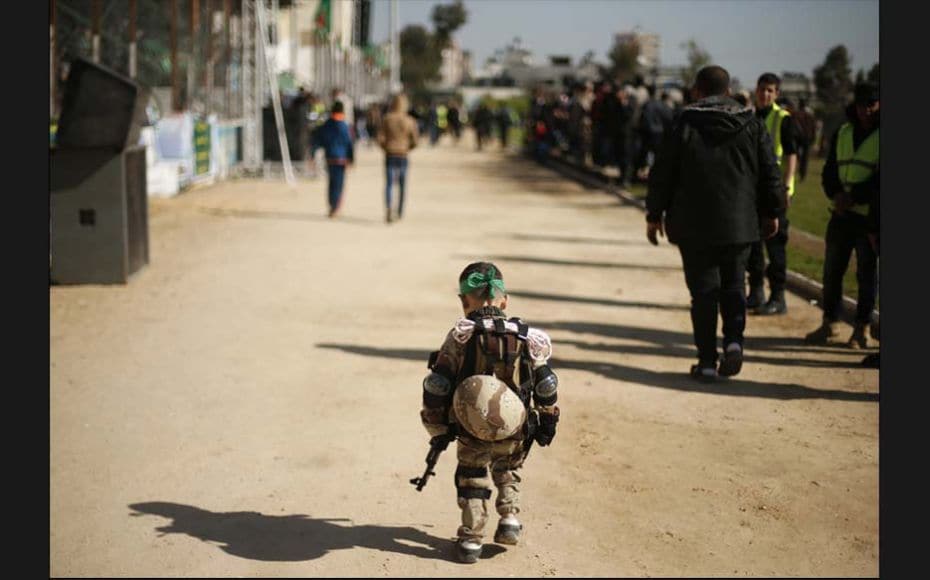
334,138
716,184
851,180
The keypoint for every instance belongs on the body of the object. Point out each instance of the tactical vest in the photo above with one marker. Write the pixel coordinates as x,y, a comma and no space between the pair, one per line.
773,123
499,351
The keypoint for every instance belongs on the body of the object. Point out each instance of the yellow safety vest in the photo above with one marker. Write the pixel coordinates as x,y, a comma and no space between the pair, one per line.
855,165
441,116
773,123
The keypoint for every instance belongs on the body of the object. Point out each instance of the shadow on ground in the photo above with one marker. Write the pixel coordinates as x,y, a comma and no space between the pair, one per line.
599,301
292,538
555,262
283,215
733,387
670,338
665,380
577,240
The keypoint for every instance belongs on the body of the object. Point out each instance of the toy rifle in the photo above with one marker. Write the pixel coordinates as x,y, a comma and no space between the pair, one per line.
437,445
532,422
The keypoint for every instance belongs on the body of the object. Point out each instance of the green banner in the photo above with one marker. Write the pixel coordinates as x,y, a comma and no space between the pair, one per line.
201,147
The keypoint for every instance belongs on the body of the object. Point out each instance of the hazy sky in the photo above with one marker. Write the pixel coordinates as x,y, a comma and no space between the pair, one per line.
747,37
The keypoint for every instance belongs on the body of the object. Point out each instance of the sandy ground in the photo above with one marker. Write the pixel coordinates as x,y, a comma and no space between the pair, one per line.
248,404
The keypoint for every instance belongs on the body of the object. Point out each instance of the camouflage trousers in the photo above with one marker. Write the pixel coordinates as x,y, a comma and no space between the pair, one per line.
473,484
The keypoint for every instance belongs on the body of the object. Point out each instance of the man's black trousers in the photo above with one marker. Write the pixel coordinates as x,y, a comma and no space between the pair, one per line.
777,270
716,278
845,234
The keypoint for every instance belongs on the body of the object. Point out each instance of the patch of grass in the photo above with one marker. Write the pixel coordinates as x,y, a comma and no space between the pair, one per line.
807,264
810,208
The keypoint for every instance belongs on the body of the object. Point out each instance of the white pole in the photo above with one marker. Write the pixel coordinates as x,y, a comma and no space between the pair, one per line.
395,50
275,95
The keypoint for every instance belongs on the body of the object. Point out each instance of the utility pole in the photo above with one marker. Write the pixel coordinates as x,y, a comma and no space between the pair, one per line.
395,50
208,59
95,31
227,56
272,76
132,39
192,57
175,92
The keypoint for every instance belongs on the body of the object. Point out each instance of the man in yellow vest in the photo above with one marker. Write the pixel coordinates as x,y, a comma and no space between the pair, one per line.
851,180
784,137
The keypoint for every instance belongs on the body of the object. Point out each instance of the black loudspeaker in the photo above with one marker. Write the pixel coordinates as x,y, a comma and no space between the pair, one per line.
99,222
98,198
100,109
295,129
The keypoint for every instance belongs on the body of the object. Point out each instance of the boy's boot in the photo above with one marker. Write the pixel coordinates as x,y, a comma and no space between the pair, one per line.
508,530
775,305
388,215
823,334
755,298
859,338
468,550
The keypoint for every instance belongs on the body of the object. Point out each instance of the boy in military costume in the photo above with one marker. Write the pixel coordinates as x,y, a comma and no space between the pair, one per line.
491,388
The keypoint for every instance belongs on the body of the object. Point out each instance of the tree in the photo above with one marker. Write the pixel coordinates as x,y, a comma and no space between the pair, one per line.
447,18
698,58
873,76
421,51
623,60
419,59
832,79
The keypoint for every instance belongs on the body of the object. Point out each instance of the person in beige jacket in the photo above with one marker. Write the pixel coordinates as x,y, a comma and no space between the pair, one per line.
397,136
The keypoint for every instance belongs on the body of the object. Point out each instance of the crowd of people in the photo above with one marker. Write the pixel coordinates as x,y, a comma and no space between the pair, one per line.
721,187
628,126
621,124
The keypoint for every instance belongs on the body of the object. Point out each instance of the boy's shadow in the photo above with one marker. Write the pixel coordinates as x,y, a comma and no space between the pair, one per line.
291,538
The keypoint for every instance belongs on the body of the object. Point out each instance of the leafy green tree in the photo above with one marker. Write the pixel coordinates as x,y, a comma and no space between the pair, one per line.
623,60
419,59
421,50
873,76
447,18
833,80
698,58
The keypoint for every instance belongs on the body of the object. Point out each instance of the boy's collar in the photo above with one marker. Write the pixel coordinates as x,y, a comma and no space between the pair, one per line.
485,311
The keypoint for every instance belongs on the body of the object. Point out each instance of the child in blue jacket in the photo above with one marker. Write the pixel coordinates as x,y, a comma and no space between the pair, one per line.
334,138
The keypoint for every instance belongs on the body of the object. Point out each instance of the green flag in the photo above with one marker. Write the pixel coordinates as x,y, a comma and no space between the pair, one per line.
322,21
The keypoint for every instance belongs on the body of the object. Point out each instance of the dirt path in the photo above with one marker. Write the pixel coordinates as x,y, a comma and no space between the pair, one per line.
248,404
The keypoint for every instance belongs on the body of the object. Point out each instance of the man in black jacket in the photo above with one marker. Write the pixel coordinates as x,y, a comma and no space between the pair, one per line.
715,181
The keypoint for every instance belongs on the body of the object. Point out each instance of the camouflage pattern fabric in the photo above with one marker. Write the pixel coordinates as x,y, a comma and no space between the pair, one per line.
502,458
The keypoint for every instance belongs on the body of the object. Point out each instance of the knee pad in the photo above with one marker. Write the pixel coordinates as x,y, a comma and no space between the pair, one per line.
546,388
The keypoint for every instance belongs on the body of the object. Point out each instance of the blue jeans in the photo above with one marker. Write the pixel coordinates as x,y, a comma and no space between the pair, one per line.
845,234
337,175
396,168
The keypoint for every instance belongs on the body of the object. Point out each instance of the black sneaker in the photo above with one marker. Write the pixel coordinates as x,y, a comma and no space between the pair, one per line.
703,374
775,305
508,531
732,361
755,298
468,551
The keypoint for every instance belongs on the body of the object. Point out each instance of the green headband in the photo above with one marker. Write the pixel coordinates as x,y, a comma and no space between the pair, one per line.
476,281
